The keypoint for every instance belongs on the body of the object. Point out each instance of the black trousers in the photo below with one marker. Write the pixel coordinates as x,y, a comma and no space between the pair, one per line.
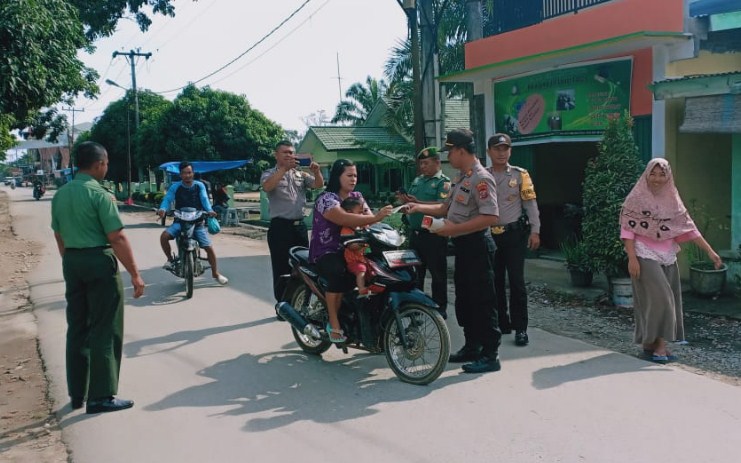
509,261
433,250
284,234
475,299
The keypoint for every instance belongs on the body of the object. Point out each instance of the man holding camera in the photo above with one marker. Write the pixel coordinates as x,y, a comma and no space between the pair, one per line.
431,187
286,186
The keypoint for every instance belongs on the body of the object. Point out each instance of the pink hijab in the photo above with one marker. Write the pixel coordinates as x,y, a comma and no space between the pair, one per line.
657,215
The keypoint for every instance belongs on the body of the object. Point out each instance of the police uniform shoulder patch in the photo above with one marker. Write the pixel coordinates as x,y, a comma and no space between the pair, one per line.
527,189
483,189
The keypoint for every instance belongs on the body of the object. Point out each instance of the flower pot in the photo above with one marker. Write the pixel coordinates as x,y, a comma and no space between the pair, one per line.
580,278
705,280
621,291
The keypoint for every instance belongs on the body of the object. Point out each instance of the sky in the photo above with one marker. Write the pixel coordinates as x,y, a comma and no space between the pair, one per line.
288,76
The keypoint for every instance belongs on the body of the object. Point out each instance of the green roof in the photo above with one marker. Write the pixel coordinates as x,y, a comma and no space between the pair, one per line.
352,138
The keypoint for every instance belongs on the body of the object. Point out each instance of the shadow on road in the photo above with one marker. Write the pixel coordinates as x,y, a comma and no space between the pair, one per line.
184,338
287,387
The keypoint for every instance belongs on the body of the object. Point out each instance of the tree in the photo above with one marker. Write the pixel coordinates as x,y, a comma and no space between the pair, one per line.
207,124
451,35
116,128
360,100
39,40
608,179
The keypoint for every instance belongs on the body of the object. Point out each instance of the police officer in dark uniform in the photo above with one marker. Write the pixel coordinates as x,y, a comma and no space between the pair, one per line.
90,237
432,187
518,229
470,210
286,186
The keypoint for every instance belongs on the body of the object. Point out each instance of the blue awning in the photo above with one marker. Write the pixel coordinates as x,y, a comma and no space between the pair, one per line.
203,167
710,7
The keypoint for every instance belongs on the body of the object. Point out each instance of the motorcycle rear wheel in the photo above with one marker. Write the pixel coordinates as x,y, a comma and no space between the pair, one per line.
188,274
297,298
425,358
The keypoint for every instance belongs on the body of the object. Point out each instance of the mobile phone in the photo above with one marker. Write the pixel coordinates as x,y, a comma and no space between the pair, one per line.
304,160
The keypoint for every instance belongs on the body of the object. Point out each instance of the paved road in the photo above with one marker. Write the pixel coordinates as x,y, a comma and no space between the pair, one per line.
215,378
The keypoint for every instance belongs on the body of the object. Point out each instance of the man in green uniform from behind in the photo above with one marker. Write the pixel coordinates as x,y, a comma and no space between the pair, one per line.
90,238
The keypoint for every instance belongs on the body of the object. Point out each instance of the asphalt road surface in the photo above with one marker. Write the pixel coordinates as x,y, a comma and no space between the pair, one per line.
216,378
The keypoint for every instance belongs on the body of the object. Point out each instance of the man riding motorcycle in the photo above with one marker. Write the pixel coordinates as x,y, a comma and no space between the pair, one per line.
189,193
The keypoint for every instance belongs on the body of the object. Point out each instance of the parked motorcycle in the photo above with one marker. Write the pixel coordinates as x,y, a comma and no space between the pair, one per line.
188,262
397,318
38,191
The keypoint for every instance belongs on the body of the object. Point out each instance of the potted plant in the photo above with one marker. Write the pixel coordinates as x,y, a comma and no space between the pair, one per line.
578,263
705,279
608,179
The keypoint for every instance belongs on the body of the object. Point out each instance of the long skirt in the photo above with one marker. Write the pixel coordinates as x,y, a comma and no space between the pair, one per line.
657,302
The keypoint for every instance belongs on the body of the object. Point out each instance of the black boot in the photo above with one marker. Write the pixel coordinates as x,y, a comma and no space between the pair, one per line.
484,364
466,354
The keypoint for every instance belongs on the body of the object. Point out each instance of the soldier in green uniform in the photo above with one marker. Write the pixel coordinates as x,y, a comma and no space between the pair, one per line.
431,187
90,238
470,210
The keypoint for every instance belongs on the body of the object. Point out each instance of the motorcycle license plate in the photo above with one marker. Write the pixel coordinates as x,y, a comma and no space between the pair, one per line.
402,258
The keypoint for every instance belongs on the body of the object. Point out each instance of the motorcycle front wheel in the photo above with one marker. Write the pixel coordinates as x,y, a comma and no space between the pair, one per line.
298,297
188,274
425,355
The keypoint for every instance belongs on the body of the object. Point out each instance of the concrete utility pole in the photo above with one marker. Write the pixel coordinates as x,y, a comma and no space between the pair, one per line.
410,8
430,94
71,138
130,56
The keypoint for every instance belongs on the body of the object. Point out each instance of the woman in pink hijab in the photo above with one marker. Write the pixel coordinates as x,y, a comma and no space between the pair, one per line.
653,222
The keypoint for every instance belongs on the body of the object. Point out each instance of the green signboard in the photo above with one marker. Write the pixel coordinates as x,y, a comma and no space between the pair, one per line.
571,102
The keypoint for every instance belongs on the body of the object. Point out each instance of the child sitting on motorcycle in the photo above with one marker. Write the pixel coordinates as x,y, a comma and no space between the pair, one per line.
355,253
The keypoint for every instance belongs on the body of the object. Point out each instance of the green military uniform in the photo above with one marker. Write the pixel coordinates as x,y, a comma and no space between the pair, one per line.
83,213
432,248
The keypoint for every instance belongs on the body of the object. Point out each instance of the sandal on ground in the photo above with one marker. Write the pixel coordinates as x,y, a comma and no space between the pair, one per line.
340,333
659,359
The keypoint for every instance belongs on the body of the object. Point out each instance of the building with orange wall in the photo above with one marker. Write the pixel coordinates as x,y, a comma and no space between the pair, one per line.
552,84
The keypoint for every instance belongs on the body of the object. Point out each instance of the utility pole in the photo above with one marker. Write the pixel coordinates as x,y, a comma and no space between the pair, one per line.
130,56
71,138
430,93
410,8
339,77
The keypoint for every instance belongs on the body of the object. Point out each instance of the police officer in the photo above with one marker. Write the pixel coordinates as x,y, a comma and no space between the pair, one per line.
89,235
286,187
471,209
431,187
518,229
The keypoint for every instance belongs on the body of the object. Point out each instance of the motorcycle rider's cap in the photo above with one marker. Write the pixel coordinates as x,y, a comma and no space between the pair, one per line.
427,153
500,139
457,138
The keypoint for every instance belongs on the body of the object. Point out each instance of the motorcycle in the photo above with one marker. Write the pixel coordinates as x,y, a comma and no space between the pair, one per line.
397,319
188,262
38,191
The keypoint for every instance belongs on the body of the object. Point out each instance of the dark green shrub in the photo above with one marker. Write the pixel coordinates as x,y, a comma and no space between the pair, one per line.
608,179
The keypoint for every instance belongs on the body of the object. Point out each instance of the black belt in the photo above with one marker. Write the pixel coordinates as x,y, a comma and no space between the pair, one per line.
94,248
512,226
290,221
471,236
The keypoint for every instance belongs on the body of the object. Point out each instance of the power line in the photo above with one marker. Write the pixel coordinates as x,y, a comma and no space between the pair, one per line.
299,25
244,52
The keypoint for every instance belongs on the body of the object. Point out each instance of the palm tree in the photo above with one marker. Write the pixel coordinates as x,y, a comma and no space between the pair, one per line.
450,21
360,100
